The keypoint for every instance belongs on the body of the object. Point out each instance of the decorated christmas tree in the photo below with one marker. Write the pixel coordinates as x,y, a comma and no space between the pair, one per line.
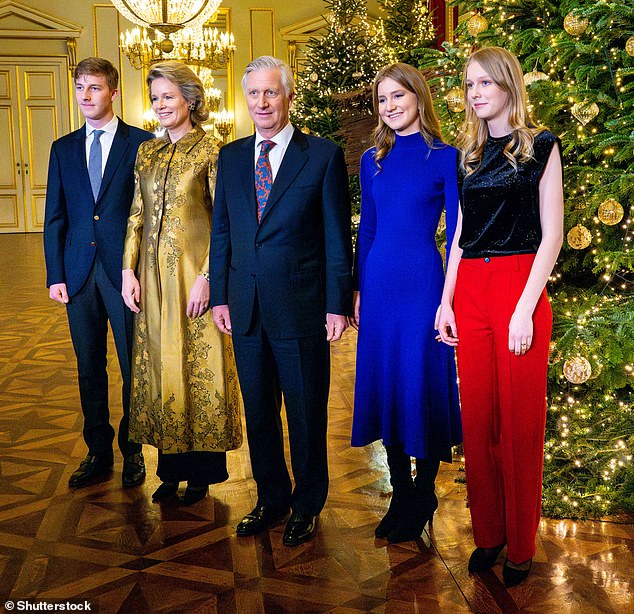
407,27
579,69
344,61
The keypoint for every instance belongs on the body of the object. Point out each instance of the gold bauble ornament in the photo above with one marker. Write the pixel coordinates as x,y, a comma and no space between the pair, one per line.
579,237
577,370
535,75
455,99
629,46
575,25
314,76
610,212
477,24
584,111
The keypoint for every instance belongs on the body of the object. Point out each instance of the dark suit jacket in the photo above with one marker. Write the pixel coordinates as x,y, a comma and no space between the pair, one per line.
76,228
299,256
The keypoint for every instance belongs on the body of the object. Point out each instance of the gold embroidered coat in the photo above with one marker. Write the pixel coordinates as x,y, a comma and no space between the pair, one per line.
185,392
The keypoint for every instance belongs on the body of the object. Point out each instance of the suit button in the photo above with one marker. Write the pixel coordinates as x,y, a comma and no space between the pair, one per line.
92,244
96,218
258,245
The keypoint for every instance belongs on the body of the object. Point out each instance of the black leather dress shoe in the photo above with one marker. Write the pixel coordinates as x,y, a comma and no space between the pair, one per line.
92,470
133,470
260,519
193,494
299,529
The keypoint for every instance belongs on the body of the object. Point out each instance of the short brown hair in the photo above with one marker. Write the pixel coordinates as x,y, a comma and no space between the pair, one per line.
98,66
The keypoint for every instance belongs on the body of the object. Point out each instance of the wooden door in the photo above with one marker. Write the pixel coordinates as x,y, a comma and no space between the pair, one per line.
34,111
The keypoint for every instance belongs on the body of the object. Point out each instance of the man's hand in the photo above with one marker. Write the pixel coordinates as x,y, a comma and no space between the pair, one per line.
58,293
130,290
335,325
222,318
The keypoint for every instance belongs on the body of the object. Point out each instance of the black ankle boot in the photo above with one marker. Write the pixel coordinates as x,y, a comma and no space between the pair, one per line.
416,513
400,465
387,522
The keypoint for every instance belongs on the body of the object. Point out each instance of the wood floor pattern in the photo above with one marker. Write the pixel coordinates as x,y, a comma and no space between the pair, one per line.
122,553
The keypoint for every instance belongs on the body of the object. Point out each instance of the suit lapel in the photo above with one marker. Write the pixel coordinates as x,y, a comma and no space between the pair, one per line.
295,158
120,145
247,161
79,160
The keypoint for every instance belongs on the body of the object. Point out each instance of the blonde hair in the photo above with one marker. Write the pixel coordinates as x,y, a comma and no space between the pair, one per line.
505,71
188,83
413,81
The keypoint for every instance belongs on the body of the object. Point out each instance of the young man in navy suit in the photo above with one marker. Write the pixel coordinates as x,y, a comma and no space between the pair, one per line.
280,275
88,197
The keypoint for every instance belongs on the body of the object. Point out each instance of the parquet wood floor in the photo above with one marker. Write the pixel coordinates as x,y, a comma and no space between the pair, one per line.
122,553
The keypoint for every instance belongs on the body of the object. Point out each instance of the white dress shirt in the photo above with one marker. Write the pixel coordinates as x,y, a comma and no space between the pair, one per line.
105,139
276,155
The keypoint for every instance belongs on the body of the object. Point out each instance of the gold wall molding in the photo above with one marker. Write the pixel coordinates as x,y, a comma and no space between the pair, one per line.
18,21
261,32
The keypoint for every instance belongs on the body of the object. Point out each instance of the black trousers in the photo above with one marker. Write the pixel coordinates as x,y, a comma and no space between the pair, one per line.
299,371
196,468
89,311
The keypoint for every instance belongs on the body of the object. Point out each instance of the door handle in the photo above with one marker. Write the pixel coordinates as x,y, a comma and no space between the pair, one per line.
18,167
26,168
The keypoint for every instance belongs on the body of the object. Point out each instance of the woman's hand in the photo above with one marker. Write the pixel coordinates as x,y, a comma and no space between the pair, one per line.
445,324
353,320
130,290
520,333
198,298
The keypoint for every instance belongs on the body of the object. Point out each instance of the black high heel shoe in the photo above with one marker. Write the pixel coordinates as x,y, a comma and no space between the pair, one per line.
193,494
484,558
165,491
513,576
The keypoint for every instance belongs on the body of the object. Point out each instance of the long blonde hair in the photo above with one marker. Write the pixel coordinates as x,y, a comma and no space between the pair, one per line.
505,70
413,81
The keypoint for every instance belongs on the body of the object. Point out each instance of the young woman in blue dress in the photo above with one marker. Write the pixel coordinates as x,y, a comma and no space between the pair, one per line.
509,233
405,391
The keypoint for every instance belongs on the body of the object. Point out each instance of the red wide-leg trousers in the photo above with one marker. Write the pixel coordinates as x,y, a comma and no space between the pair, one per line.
503,401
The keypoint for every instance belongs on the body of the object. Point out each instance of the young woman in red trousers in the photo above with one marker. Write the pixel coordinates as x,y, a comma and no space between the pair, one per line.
508,236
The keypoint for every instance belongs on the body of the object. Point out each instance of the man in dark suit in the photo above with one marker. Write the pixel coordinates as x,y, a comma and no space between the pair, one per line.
88,197
280,273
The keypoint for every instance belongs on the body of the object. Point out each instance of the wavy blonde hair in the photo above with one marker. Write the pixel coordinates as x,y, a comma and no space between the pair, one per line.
188,83
505,71
413,81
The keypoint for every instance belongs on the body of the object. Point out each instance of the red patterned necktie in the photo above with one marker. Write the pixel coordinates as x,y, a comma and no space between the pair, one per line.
263,176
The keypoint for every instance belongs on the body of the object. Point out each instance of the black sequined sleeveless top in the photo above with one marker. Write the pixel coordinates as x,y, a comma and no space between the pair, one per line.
500,205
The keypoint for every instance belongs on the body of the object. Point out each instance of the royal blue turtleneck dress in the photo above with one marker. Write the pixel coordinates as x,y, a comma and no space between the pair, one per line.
405,390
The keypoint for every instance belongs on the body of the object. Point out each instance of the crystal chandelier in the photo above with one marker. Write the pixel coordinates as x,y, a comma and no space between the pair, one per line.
201,46
167,16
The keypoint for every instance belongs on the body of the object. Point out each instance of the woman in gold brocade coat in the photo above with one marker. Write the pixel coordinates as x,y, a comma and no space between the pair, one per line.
185,393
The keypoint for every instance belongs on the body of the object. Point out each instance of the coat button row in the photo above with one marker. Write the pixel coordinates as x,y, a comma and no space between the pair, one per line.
96,218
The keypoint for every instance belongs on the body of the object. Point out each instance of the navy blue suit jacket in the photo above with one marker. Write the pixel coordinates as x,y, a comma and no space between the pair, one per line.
76,228
298,258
